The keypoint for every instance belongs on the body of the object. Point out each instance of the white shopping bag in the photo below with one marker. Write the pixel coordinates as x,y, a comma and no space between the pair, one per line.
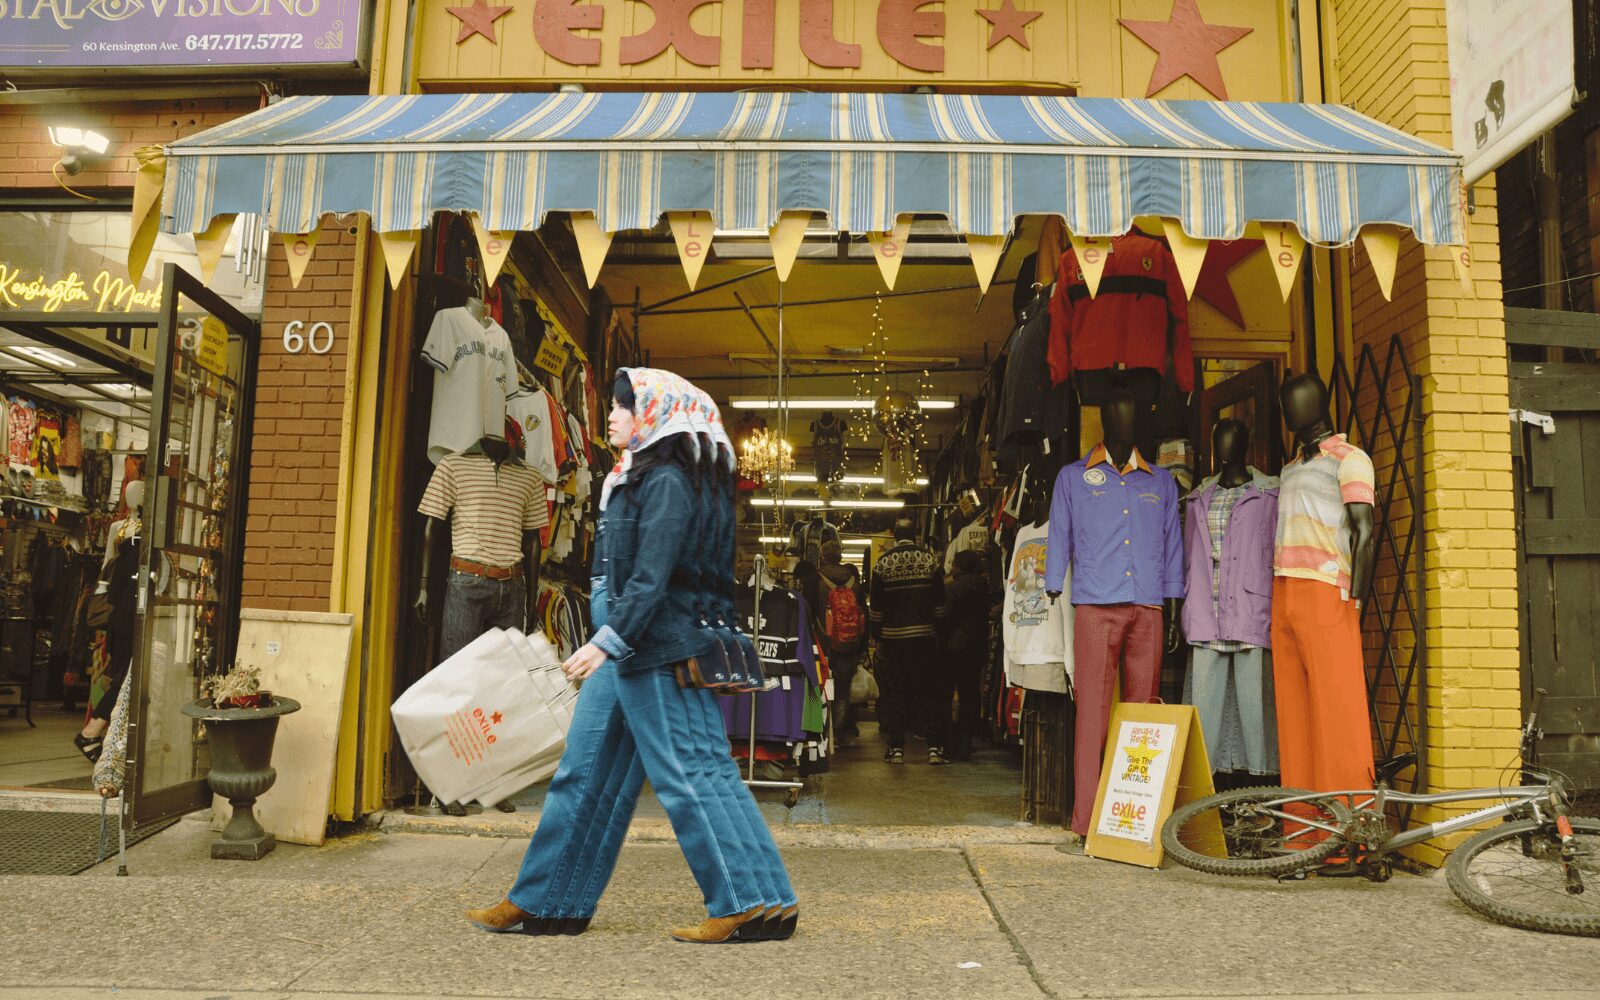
482,716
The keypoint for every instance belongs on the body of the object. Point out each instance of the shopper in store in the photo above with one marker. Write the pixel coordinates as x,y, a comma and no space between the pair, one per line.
907,595
634,719
119,585
841,603
966,643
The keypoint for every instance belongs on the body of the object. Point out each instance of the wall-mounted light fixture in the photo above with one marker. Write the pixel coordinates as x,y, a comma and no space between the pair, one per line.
80,144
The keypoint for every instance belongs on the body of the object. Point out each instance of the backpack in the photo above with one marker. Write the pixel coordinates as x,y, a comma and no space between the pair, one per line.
843,618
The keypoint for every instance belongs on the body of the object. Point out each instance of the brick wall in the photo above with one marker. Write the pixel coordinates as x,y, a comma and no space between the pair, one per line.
26,155
1392,63
295,449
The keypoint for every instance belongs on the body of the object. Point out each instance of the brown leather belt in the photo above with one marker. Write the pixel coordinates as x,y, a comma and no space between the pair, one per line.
488,572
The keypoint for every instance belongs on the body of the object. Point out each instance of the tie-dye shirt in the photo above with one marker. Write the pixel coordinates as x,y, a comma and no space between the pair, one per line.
1313,542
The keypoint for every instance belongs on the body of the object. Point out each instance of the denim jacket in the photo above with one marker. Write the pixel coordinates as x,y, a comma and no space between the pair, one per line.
1243,612
645,552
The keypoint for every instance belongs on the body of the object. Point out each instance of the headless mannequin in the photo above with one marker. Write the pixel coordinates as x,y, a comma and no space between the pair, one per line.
1230,446
128,529
498,451
1118,417
1305,411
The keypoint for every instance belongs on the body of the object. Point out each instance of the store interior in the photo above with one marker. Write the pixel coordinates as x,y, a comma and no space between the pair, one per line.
932,348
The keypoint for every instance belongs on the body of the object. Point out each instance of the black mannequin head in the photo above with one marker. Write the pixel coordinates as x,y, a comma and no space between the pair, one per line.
905,530
496,448
1305,404
1230,444
1117,417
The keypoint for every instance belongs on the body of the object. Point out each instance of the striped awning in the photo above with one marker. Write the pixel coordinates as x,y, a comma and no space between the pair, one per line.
862,159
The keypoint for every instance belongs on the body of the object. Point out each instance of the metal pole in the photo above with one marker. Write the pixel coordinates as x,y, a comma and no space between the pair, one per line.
836,300
724,283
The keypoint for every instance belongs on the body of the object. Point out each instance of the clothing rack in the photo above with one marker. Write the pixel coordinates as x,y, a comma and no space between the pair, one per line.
750,778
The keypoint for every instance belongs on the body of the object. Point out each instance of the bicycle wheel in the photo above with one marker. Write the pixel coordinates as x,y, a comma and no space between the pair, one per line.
1515,873
1260,835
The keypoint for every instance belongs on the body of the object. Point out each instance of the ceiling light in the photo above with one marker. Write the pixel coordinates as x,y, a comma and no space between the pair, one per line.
765,403
47,356
772,540
769,502
868,504
856,541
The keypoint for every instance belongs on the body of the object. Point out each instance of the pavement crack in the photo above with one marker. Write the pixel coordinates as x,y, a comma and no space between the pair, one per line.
1005,928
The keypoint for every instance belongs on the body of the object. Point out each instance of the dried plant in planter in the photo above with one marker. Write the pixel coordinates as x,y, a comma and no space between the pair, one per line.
238,688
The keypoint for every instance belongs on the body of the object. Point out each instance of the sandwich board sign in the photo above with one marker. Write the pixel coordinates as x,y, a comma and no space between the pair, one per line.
1155,760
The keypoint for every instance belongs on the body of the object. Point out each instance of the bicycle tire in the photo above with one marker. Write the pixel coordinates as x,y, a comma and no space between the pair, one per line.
1310,856
1471,886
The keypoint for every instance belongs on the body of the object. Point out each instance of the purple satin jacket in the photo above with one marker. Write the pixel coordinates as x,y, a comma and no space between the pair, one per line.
1243,612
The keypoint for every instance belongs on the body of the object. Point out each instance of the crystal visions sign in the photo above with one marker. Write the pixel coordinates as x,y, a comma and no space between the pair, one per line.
179,34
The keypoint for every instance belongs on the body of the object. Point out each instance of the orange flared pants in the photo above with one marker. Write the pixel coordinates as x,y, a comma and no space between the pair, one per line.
1324,728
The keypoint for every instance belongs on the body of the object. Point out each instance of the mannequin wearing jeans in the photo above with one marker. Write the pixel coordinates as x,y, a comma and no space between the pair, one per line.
632,715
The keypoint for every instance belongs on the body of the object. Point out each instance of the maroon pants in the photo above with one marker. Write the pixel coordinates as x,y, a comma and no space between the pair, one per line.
1104,638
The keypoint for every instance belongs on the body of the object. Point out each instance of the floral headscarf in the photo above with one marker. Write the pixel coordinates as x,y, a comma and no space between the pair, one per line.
665,404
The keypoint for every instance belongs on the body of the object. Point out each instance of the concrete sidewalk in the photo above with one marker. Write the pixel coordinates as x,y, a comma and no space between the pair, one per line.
377,915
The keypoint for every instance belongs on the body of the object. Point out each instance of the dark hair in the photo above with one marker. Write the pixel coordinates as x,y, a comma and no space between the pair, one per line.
905,530
622,391
969,563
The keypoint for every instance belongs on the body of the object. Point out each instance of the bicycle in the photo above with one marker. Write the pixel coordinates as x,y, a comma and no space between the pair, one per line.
1538,870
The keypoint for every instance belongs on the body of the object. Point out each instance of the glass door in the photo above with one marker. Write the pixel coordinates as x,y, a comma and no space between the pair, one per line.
193,539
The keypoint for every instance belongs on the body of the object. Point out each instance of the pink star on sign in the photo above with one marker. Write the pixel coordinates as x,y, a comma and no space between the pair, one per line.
478,19
1186,46
1008,22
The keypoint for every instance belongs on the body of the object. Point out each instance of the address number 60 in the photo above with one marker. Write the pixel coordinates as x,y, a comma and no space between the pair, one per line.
318,341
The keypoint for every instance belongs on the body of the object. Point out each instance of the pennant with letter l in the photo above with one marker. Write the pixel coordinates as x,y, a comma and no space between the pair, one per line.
593,243
147,187
1189,252
1462,258
692,232
787,234
493,248
1091,252
1383,249
397,248
986,252
1285,248
209,244
889,249
297,249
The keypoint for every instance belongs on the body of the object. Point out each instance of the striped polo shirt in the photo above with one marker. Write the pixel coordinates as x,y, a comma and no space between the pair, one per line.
1313,542
493,506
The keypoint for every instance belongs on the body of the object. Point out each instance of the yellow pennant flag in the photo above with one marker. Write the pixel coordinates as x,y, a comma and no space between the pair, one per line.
787,234
397,248
297,248
1189,252
147,186
1285,249
209,244
593,243
890,248
692,232
493,248
1462,258
1383,249
986,252
1091,252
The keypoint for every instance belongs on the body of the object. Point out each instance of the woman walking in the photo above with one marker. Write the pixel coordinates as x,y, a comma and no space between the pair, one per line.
663,532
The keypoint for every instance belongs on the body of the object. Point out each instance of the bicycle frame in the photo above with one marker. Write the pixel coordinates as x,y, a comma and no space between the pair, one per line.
1512,801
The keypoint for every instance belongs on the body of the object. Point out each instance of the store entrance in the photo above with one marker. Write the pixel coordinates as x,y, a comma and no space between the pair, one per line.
122,532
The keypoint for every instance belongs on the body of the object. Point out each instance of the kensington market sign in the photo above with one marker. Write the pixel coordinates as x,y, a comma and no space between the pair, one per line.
981,41
181,34
100,292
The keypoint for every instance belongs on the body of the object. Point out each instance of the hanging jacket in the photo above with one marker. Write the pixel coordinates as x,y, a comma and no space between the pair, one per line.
1243,610
1126,323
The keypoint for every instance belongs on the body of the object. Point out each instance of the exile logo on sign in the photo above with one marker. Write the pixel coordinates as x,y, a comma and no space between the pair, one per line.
486,723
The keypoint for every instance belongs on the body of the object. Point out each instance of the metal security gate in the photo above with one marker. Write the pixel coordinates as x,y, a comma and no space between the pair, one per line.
1555,444
1379,409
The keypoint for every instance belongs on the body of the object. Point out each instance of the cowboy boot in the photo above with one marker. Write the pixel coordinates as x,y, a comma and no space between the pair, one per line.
718,930
505,917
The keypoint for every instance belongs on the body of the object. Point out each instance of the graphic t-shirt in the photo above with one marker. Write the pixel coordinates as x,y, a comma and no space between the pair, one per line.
827,447
46,457
530,410
474,373
21,419
1313,542
1037,632
72,443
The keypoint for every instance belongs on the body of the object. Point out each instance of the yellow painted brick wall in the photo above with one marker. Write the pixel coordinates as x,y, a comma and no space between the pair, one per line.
1389,59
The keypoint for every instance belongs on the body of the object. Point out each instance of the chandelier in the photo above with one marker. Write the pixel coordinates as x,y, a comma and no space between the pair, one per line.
764,453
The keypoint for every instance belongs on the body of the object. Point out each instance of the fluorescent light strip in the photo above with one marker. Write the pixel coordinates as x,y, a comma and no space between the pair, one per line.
806,477
771,540
841,504
765,403
857,541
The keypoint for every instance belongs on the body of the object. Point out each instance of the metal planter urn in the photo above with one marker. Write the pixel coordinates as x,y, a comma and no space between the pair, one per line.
241,770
